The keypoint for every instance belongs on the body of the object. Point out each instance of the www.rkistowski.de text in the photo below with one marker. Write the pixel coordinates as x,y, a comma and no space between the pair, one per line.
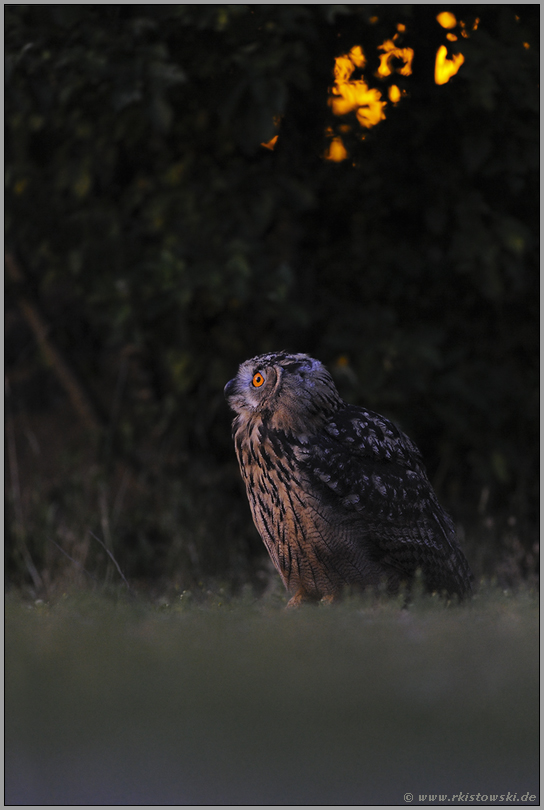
471,797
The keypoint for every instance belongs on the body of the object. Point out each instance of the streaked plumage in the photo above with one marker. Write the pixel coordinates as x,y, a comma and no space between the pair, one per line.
338,494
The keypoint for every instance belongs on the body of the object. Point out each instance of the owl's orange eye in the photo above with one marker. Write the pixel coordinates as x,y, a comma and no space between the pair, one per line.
258,379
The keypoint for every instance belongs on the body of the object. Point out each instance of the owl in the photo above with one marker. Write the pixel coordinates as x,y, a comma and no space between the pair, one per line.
338,494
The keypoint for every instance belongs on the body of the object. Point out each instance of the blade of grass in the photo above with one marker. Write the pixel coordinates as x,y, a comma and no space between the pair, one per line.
76,563
110,555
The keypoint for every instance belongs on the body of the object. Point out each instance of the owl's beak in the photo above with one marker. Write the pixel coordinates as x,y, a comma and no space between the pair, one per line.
229,388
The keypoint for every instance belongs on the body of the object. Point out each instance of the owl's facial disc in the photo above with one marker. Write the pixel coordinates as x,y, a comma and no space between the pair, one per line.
252,387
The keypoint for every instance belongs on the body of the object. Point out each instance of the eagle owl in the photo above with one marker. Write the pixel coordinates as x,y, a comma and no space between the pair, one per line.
338,494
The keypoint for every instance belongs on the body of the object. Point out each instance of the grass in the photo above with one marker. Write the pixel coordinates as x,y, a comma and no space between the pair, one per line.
211,700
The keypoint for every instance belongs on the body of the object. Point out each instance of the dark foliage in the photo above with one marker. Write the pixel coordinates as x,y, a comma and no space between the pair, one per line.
163,245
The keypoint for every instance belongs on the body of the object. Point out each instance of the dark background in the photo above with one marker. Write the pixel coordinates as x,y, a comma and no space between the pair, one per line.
152,244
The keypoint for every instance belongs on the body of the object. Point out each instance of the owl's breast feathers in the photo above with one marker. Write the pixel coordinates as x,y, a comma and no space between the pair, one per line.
348,505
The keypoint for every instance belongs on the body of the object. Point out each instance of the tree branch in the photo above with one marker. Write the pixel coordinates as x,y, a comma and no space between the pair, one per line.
53,356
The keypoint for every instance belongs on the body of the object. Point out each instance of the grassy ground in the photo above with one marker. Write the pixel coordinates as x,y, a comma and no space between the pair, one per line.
111,700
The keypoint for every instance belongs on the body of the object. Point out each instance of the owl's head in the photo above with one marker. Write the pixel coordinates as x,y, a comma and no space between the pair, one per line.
288,391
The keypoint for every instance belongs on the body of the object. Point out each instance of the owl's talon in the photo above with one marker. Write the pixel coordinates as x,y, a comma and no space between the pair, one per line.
297,600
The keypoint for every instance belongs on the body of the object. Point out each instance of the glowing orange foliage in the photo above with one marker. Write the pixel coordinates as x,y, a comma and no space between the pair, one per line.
343,68
357,95
271,143
371,111
394,94
392,51
447,19
336,151
347,96
354,95
445,68
357,56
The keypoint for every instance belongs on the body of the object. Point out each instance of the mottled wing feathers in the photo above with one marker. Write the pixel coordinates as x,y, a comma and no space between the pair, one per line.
366,468
365,433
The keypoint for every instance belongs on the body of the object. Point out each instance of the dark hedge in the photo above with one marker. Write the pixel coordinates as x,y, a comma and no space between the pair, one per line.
161,245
